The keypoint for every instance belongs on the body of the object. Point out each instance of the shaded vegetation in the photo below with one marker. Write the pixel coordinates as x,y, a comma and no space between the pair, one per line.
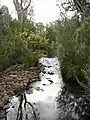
73,50
66,38
20,44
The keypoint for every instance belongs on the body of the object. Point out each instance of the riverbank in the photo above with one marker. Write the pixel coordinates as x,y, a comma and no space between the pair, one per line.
39,101
13,81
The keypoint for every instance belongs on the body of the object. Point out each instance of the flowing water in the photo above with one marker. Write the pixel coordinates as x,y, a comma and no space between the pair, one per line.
39,101
48,99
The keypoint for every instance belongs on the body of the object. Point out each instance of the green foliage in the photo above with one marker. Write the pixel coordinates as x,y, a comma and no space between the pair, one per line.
68,39
20,44
75,52
51,35
35,41
31,59
73,49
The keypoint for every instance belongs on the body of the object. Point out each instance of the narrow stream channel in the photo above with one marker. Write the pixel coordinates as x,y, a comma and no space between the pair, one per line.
49,98
39,101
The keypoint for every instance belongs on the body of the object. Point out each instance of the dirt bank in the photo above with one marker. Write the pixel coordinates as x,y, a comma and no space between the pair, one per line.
14,81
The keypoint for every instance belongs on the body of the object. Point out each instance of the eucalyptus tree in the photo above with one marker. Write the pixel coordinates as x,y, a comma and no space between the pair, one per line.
22,7
82,7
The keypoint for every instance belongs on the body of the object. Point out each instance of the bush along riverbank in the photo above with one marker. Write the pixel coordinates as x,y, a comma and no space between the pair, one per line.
75,67
72,46
71,107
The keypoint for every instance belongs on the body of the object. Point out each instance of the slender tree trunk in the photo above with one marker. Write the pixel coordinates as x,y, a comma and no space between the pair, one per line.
21,10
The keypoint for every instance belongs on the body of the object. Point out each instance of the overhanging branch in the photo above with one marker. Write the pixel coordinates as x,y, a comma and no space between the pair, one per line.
27,5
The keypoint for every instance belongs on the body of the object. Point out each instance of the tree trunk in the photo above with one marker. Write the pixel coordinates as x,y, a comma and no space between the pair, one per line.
21,10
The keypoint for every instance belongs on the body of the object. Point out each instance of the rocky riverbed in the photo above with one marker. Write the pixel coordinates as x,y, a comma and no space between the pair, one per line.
40,94
14,81
38,102
72,107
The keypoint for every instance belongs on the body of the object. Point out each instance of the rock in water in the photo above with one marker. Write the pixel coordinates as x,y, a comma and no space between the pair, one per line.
71,108
43,98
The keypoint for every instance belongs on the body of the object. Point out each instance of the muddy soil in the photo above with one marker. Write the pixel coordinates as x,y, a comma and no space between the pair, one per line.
14,81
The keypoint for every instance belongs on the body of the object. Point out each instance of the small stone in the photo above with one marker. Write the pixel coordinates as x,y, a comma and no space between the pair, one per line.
44,84
48,66
13,76
6,107
50,81
25,83
44,72
1,104
20,79
42,90
38,88
51,73
13,106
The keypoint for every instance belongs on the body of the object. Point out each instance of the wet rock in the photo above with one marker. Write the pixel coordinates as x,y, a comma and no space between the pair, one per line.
25,84
13,106
29,91
6,107
44,72
51,73
39,79
13,76
38,88
1,104
42,90
73,108
48,78
20,79
41,68
44,84
10,93
50,81
49,66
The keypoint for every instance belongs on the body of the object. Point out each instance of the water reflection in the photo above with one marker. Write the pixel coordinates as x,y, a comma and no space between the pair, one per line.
39,101
21,109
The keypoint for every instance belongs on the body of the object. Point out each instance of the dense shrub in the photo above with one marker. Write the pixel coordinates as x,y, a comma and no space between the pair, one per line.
21,45
73,49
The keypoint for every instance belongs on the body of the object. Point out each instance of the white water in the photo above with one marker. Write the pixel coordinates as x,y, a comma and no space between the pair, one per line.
44,93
